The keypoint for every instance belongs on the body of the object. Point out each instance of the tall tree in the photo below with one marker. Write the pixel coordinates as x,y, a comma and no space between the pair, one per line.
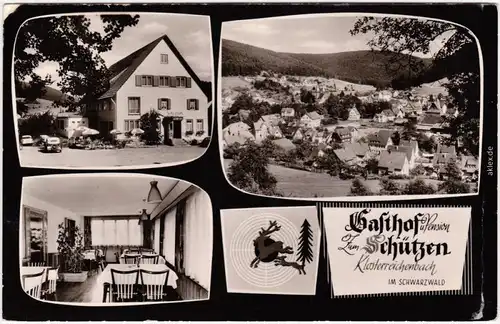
305,252
70,42
457,60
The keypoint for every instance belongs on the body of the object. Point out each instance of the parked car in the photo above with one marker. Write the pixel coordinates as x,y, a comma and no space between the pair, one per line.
26,140
53,144
40,141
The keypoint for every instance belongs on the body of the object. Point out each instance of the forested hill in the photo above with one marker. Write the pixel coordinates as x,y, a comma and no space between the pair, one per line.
366,67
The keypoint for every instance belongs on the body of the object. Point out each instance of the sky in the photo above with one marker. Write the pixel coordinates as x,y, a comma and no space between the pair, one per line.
189,33
311,34
90,195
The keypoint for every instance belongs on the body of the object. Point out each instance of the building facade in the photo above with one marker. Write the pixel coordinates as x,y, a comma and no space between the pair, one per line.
154,78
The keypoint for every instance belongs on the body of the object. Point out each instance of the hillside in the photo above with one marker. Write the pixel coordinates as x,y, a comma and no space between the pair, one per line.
366,67
51,94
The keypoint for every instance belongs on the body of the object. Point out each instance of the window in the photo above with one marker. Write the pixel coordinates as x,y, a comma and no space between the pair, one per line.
183,82
131,124
164,58
147,80
178,81
189,125
199,125
70,226
164,81
164,103
105,105
169,236
134,105
110,231
192,104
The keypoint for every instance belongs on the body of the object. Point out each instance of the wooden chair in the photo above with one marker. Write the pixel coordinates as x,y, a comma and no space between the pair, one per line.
50,289
153,285
32,284
124,285
149,259
130,259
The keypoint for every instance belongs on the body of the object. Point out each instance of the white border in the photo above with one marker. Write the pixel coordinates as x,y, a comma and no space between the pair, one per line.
109,175
267,210
355,198
126,167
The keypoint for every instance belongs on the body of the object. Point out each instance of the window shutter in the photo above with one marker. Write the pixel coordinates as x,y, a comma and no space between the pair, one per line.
197,104
156,81
138,79
159,103
169,104
188,82
171,81
187,101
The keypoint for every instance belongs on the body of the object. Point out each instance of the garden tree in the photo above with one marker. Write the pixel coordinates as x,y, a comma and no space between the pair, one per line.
21,108
37,124
409,130
231,150
453,183
370,109
249,171
304,252
426,143
303,150
457,60
396,138
359,189
270,149
243,101
150,125
372,165
70,42
389,187
418,187
307,97
331,163
418,171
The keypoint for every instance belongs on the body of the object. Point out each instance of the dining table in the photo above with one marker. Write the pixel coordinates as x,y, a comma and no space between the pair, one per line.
30,271
161,260
101,292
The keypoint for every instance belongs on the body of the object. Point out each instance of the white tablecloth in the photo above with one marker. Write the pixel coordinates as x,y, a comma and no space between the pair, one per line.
105,277
33,270
161,260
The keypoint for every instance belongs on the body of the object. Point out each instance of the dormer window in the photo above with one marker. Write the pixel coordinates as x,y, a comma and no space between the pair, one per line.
164,58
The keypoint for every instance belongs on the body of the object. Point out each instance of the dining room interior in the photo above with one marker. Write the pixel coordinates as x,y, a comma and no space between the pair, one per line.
115,238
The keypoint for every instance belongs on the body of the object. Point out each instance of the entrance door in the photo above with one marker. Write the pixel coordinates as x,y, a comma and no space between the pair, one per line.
177,129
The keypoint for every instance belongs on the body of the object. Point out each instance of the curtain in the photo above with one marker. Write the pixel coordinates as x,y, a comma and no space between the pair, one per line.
106,231
134,232
97,230
198,239
169,236
157,235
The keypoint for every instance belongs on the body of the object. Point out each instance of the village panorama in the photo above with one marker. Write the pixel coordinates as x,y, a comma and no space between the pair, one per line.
298,135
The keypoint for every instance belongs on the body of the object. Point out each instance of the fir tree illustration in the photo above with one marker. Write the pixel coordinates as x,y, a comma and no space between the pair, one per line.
304,251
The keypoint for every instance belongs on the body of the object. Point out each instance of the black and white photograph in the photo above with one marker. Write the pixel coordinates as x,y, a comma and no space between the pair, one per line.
113,90
352,104
104,239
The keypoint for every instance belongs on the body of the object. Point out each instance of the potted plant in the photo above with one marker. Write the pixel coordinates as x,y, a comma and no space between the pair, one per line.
70,248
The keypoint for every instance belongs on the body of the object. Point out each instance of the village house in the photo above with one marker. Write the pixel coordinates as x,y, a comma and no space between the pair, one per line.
319,137
261,130
440,160
287,113
380,118
354,114
359,149
408,150
346,155
469,166
448,149
67,123
298,135
379,141
284,143
413,144
393,163
389,114
272,119
155,77
354,132
237,133
342,135
384,95
311,119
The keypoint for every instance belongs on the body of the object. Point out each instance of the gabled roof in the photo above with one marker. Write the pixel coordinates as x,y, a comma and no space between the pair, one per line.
341,131
403,149
443,158
345,154
313,115
413,144
122,70
446,149
381,138
431,119
359,149
284,143
354,110
272,119
392,160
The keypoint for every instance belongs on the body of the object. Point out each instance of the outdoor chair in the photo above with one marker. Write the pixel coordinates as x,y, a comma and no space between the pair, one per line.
32,284
153,285
124,285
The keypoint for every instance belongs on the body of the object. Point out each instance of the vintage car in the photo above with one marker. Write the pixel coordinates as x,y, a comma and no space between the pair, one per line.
53,144
26,140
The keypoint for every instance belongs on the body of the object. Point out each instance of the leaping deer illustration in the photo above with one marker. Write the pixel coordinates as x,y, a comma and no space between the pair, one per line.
280,261
266,247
